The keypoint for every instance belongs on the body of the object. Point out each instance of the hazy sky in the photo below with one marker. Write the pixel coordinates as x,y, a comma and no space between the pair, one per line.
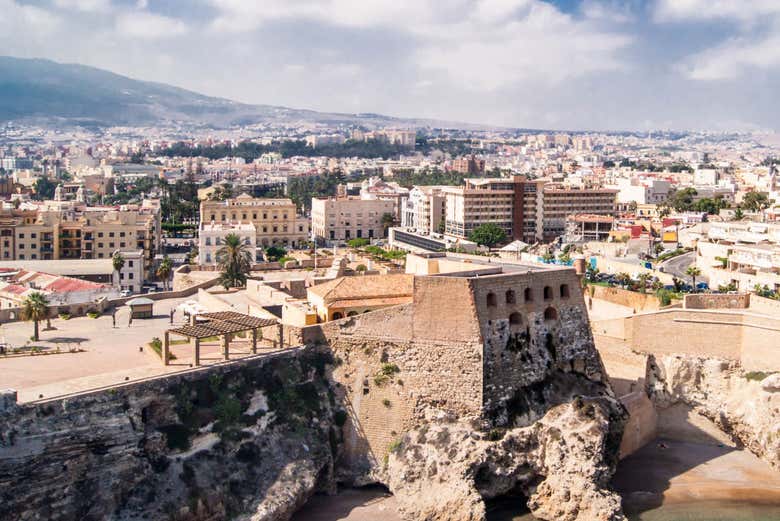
576,64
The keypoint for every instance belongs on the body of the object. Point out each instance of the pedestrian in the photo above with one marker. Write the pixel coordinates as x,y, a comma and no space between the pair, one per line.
130,322
172,311
113,317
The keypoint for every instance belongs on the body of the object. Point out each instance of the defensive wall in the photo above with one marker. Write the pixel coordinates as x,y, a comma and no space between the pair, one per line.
481,347
632,299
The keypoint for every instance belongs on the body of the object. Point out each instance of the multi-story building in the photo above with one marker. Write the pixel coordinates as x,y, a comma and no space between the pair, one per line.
376,188
345,218
276,221
527,210
211,237
469,165
71,230
424,210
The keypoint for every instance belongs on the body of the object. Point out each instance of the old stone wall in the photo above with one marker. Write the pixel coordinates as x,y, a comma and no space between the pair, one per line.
256,436
754,340
637,301
642,425
716,301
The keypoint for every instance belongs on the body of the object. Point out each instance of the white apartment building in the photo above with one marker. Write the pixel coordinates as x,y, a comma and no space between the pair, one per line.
131,276
642,191
345,218
744,254
211,238
424,210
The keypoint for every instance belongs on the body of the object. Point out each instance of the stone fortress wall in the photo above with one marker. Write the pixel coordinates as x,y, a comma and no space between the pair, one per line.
472,347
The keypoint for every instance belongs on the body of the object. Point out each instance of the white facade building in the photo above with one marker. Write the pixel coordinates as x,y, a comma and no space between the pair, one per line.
212,237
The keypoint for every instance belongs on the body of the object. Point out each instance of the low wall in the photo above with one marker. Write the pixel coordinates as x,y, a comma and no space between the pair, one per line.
642,424
717,301
632,299
766,306
753,340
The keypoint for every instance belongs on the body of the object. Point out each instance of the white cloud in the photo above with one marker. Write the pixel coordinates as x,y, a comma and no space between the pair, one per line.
733,59
145,25
26,20
737,10
89,6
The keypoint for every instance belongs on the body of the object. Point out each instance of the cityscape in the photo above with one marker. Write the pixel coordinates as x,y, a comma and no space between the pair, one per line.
212,307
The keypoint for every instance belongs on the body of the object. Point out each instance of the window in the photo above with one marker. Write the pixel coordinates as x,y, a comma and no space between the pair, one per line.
491,300
550,314
21,256
100,245
111,245
100,234
130,276
110,234
121,234
564,291
121,245
510,296
33,256
33,235
548,293
130,264
21,246
515,319
528,295
208,241
21,236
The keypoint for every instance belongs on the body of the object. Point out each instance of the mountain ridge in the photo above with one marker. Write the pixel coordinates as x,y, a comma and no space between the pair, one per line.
46,92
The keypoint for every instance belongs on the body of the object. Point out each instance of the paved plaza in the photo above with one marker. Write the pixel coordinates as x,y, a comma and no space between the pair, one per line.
110,356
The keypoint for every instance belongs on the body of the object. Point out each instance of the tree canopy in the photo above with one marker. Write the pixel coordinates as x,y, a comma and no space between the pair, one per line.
488,234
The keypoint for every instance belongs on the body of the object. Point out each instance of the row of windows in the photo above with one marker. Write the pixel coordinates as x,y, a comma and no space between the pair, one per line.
528,295
233,216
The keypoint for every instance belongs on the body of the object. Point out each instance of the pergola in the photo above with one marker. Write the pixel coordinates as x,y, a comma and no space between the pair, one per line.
221,324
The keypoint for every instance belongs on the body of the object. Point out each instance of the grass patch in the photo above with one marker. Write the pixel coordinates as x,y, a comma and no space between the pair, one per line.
156,345
757,376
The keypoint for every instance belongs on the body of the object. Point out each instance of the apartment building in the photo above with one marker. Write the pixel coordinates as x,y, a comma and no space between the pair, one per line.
71,230
211,237
276,221
424,210
470,165
527,210
345,218
740,254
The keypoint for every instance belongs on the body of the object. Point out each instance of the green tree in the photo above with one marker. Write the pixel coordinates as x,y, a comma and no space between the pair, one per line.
387,221
755,201
234,261
693,272
739,214
164,271
682,200
44,188
274,253
643,278
35,308
488,234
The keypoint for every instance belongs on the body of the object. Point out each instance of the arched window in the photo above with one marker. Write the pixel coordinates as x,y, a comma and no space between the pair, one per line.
510,296
548,293
491,300
564,291
337,315
515,319
550,314
528,295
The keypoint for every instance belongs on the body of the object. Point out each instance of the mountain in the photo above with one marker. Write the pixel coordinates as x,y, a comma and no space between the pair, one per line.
49,93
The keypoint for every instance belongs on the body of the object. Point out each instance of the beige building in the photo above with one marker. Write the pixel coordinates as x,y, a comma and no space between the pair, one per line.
71,230
527,210
350,296
345,218
276,221
211,237
424,210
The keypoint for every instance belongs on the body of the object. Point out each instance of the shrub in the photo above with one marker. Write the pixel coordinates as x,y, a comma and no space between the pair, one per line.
386,403
340,417
358,243
389,369
361,268
64,316
93,314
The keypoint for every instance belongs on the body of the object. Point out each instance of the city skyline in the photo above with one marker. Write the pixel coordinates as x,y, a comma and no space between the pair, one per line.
576,65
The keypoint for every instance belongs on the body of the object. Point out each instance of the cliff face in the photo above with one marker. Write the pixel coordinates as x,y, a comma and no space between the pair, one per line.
254,438
746,406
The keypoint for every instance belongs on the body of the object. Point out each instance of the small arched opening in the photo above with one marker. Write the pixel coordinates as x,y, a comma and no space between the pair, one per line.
515,322
510,296
528,295
337,315
564,291
548,293
491,300
550,314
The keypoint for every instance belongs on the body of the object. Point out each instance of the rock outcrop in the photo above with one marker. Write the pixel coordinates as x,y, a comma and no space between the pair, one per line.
746,406
252,439
445,469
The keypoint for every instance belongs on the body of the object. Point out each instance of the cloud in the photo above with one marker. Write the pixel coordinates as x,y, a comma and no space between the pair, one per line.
35,21
734,59
145,25
698,10
89,6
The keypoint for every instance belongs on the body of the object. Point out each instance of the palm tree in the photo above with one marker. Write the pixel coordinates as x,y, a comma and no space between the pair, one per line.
387,221
36,308
234,261
693,272
643,279
119,262
164,271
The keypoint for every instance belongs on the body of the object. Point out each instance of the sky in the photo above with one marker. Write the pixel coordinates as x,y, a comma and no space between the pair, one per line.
557,64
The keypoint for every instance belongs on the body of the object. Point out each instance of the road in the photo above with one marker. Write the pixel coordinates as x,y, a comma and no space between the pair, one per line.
676,266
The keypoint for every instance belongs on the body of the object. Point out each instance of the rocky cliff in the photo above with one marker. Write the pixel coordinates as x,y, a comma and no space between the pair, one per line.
253,439
746,406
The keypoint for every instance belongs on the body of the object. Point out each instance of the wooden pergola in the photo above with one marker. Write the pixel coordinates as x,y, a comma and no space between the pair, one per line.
222,324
